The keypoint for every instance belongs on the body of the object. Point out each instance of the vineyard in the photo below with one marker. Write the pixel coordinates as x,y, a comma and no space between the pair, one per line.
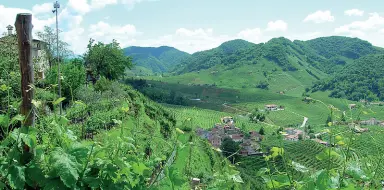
206,119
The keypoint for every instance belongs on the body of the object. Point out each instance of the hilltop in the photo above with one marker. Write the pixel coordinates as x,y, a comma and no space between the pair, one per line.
150,60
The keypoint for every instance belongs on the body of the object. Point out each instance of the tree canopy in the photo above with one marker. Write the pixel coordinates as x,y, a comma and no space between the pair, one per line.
107,60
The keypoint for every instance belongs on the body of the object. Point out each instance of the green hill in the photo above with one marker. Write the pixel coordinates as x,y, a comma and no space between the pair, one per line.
360,80
331,54
224,54
150,60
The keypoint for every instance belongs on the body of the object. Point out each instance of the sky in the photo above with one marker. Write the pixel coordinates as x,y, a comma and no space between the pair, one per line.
197,25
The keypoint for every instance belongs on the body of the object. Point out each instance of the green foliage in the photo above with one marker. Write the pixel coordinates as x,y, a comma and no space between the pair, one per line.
262,131
224,54
64,166
257,116
107,60
262,85
73,76
229,148
359,80
157,60
103,84
48,35
9,71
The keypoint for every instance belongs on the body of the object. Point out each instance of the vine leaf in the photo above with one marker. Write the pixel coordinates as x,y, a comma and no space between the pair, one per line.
65,166
139,168
56,102
16,177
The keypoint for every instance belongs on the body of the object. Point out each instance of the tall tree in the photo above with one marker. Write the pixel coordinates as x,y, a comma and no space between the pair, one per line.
229,148
107,60
49,37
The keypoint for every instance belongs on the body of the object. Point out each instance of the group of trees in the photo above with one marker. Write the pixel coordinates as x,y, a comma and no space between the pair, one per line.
359,80
106,60
257,116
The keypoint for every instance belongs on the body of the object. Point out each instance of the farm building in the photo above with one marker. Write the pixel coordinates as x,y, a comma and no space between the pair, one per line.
352,106
39,55
372,121
227,120
215,140
271,107
216,135
292,134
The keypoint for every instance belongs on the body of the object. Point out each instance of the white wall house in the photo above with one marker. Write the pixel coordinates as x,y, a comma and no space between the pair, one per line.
39,57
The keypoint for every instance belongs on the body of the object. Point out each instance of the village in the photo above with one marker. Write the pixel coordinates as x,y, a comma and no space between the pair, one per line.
250,141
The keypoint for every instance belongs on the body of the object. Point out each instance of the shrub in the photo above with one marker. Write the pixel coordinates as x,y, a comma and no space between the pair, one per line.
73,77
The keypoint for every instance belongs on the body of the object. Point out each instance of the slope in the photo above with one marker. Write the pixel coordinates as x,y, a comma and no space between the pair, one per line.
331,54
360,80
278,66
149,60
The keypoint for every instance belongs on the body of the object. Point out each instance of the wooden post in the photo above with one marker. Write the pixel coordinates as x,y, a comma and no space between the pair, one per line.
24,35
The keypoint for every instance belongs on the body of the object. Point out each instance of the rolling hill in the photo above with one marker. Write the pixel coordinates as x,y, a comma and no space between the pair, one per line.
280,65
150,60
361,79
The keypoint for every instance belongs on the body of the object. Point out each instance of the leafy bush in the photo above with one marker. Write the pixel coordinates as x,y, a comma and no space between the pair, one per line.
73,74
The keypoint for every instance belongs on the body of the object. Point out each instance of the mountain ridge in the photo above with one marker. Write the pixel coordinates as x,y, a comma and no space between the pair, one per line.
151,60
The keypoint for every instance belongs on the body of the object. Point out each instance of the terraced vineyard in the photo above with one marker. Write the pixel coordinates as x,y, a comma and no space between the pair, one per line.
305,152
205,118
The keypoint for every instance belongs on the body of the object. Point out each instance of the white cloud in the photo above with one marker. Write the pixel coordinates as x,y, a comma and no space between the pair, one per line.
194,33
278,25
354,12
370,29
188,40
76,39
105,32
320,17
305,36
131,3
97,4
360,28
42,8
79,6
252,35
8,16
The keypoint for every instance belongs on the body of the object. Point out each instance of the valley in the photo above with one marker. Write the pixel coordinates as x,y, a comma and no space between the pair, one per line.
239,87
226,112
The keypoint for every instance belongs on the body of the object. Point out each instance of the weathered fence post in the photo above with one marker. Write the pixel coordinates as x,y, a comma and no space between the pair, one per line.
24,36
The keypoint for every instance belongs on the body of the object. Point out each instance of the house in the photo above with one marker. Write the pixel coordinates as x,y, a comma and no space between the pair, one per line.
352,106
249,148
39,56
38,52
291,137
320,141
358,129
227,120
255,136
292,134
195,182
271,107
217,129
237,137
372,121
215,140
231,129
202,133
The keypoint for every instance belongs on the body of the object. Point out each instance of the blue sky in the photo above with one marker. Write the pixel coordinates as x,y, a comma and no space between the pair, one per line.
195,25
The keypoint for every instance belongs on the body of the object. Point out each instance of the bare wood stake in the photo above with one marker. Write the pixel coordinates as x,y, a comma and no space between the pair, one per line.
24,35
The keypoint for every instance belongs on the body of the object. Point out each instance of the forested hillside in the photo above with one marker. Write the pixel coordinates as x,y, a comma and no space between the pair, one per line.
363,79
322,53
150,60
